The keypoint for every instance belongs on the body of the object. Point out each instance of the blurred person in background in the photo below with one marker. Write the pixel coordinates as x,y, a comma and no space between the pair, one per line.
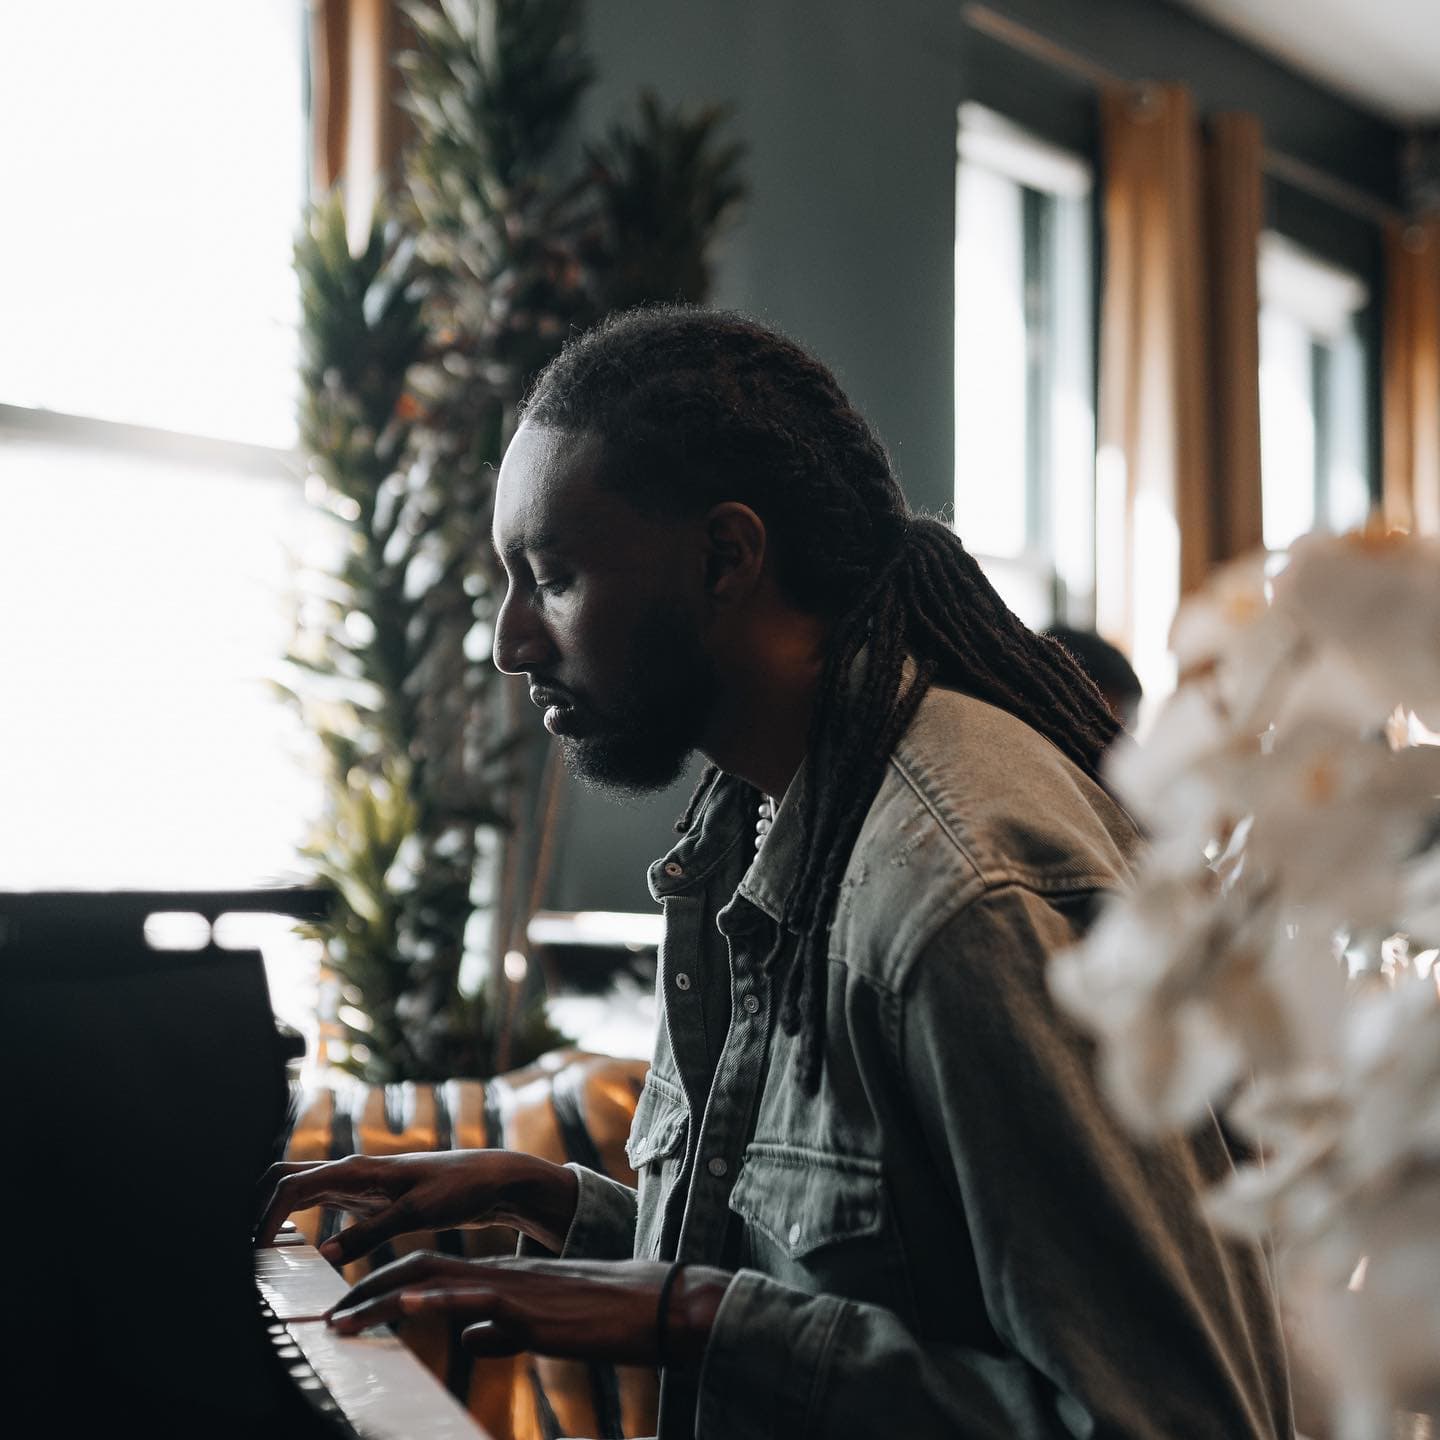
1107,667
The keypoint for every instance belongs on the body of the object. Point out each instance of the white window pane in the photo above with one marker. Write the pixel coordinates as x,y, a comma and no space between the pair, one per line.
140,743
1347,482
1287,429
1024,391
990,363
990,142
1072,412
1320,296
162,180
1314,410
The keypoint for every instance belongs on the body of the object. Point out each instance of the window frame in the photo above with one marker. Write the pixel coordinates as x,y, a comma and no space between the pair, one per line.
1350,242
1038,565
23,422
1327,332
168,452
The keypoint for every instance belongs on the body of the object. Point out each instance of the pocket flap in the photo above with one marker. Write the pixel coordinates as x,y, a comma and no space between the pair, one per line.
803,1199
658,1130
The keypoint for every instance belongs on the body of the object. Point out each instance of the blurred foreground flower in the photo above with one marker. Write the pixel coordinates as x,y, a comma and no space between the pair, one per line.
1275,962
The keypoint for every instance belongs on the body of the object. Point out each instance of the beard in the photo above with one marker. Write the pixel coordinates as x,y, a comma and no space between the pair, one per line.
642,743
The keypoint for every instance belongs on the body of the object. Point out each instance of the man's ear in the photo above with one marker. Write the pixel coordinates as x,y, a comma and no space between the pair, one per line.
735,548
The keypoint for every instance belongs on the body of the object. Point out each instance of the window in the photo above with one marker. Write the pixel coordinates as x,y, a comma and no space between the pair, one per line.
1314,411
147,269
150,494
1024,406
140,746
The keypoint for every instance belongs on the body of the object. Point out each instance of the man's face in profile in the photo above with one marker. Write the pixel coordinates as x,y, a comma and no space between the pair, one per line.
602,613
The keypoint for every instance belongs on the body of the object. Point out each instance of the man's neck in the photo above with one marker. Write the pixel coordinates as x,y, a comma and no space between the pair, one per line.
768,761
761,728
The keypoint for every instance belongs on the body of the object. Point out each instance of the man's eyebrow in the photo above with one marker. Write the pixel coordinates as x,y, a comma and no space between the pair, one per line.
517,548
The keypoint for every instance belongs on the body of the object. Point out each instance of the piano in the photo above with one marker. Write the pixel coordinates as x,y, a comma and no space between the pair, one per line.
146,1092
371,1381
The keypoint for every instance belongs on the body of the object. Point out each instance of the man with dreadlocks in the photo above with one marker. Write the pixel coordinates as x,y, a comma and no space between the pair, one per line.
878,1193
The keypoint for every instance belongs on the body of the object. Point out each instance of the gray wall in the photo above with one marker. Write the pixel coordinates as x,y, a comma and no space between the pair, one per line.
848,107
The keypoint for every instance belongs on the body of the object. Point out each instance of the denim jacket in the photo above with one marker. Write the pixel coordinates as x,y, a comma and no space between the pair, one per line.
954,1238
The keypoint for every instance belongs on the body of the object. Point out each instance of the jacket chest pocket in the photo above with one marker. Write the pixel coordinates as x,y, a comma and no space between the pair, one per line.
656,1152
819,1221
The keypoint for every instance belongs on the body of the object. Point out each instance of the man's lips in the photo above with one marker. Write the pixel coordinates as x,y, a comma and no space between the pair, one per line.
547,695
558,706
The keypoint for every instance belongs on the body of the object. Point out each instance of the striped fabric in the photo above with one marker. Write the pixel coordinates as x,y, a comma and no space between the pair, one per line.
567,1106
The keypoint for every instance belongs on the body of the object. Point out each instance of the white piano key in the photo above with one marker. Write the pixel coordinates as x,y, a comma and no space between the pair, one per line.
383,1390
297,1280
379,1385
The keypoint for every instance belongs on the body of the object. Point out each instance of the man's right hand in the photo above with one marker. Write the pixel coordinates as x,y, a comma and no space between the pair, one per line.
392,1195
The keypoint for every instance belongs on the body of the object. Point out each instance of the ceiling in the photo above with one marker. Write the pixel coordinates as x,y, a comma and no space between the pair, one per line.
1385,54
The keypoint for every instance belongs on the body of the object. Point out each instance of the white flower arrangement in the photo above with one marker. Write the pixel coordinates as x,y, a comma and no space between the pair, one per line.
1274,962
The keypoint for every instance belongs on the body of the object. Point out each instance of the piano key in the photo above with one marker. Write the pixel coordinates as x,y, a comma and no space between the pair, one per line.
297,1281
383,1391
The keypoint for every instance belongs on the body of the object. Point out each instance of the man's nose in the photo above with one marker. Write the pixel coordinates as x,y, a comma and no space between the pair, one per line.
521,643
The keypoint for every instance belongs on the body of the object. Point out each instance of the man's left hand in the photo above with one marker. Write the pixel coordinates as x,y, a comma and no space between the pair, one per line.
585,1309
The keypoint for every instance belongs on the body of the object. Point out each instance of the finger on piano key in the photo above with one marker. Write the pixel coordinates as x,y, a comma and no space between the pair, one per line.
383,1391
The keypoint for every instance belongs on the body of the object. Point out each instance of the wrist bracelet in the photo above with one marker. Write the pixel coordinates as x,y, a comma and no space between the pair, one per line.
662,1311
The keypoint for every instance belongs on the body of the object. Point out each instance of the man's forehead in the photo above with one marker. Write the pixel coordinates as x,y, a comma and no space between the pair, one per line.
546,488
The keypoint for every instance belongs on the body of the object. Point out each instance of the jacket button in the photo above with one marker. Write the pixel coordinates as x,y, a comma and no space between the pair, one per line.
682,981
674,869
795,1233
751,1004
716,1166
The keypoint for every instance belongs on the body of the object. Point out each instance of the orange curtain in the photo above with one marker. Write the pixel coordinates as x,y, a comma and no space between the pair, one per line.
1178,473
1235,215
1411,369
357,127
329,89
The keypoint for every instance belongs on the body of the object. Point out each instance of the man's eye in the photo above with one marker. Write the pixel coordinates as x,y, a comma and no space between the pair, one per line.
551,588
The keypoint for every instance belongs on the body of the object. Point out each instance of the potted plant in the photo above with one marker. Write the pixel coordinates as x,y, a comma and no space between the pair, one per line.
418,348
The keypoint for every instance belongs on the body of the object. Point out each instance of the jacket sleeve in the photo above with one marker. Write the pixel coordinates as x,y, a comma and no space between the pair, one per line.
603,1227
1118,1312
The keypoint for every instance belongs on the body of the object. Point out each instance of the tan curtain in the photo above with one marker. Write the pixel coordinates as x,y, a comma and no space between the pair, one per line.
357,128
329,89
1411,368
1179,431
1235,215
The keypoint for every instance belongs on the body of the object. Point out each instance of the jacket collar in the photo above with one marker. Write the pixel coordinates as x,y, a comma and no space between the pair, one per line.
724,819
776,868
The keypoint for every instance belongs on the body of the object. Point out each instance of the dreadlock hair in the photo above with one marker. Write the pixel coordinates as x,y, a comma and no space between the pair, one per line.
695,407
